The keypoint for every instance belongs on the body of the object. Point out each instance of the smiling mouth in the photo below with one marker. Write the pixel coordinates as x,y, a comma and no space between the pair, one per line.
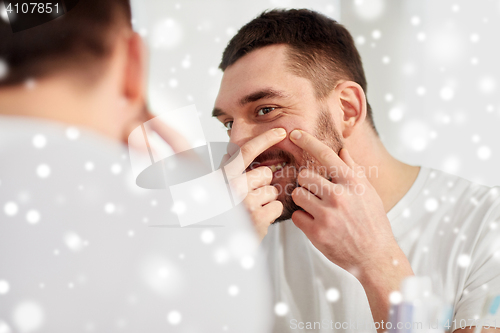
277,167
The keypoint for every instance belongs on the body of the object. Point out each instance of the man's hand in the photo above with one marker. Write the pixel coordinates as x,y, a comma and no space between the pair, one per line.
255,185
345,219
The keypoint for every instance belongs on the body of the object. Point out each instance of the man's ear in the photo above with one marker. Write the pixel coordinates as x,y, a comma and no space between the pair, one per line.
352,101
134,85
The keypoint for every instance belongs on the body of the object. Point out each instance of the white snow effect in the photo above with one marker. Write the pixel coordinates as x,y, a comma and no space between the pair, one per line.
207,236
376,34
487,85
386,60
28,316
447,93
163,272
221,255
109,208
389,97
10,208
281,309
4,15
360,40
179,207
409,68
89,166
451,164
30,84
73,241
242,244
474,38
173,83
431,204
43,171
415,20
369,9
396,114
332,295
445,46
463,260
406,212
4,287
421,36
116,169
212,71
247,262
174,317
330,8
162,276
415,135
484,153
167,34
4,327
4,69
39,141
143,32
33,216
421,91
233,290
72,133
186,62
200,194
395,297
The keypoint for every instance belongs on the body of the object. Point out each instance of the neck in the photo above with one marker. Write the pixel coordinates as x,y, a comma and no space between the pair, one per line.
390,177
57,99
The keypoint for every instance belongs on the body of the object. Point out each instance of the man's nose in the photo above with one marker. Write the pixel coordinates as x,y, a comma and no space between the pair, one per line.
242,132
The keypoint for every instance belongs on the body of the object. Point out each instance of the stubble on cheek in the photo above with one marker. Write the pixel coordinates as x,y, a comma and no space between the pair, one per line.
287,180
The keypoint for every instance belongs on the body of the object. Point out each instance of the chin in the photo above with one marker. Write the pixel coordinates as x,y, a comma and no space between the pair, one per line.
289,206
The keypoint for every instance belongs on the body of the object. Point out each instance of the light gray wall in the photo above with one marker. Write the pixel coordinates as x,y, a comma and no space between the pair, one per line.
432,70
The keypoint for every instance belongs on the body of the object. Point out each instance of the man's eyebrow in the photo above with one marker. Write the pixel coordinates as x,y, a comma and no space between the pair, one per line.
253,97
218,112
261,94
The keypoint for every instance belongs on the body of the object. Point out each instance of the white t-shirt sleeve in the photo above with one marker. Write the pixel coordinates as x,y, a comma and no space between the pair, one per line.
478,304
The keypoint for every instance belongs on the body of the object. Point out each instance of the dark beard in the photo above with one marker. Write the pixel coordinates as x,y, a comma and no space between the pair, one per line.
325,132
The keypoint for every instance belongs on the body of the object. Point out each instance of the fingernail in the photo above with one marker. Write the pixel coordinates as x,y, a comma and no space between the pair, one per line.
295,134
280,131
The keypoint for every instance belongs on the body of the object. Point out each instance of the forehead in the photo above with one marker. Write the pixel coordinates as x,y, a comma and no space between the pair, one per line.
264,68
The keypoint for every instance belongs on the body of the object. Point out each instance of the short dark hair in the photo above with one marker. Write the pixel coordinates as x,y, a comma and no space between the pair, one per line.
320,49
79,38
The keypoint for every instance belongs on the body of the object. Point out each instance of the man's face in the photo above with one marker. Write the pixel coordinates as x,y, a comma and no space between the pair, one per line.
259,93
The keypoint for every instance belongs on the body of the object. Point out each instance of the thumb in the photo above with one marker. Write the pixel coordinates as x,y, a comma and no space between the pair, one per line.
302,220
346,157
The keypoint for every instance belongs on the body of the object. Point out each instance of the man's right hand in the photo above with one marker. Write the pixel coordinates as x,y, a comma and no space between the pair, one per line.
255,185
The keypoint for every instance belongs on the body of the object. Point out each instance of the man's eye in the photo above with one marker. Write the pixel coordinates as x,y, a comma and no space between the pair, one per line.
228,125
264,111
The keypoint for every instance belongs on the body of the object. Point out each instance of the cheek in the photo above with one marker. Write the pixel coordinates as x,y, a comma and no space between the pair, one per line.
288,145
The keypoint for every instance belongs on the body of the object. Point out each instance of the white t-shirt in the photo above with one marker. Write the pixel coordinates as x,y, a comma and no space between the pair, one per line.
83,249
448,229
